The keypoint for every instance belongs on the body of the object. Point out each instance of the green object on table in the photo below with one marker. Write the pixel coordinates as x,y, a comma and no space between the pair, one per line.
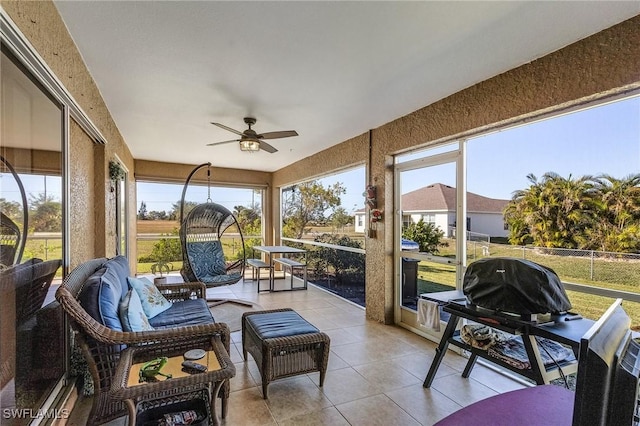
151,369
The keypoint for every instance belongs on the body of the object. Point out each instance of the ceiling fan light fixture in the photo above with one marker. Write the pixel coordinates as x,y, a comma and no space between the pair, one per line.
250,146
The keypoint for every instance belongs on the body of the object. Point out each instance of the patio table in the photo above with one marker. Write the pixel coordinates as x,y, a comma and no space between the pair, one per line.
274,250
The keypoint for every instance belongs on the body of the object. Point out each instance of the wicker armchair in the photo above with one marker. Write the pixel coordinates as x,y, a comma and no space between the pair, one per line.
101,346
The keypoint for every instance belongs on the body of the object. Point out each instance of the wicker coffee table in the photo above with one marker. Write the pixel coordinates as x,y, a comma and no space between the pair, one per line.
283,344
127,386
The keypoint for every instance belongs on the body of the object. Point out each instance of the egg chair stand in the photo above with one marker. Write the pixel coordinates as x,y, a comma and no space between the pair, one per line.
203,252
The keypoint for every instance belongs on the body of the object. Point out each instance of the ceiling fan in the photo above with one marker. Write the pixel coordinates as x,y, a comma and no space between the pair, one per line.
251,141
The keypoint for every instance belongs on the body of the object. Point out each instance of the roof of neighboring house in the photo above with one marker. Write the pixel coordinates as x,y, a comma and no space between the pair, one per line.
443,197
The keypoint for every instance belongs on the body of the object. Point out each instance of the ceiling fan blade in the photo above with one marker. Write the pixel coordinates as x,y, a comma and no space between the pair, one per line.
278,135
266,147
222,126
220,143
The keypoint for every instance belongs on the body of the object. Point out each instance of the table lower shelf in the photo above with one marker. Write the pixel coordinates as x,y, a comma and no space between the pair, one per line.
551,372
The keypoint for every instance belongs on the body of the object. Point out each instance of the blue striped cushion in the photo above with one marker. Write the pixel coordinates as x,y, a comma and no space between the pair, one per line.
280,324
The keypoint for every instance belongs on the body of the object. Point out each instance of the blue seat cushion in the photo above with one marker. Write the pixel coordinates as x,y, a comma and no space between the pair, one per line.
220,279
280,324
186,312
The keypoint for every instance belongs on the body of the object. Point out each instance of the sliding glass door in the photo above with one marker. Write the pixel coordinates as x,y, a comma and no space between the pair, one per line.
430,215
32,348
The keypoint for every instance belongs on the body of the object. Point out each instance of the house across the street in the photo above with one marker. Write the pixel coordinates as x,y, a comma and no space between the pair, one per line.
436,204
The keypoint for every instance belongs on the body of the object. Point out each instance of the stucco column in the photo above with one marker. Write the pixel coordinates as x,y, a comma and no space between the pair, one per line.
379,243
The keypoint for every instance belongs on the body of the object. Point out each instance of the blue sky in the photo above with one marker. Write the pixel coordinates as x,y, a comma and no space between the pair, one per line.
599,140
604,139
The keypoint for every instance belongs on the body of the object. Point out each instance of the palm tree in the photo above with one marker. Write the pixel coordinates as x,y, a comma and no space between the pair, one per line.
618,227
552,212
621,198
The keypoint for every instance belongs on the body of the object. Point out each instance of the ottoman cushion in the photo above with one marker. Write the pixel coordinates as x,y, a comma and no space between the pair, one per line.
280,324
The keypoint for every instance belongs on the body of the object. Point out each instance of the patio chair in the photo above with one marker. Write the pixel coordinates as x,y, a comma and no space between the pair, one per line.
9,241
204,256
12,241
23,289
32,280
102,345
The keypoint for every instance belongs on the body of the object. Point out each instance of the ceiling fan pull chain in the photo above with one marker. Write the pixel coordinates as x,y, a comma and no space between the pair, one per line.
209,184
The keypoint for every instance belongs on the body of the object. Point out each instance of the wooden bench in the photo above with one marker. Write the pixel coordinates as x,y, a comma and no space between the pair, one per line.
293,265
256,265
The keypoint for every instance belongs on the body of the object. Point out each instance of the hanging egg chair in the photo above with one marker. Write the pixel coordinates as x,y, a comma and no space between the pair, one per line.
208,256
12,240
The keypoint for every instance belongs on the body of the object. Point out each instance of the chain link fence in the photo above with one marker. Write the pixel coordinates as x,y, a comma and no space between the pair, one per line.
620,270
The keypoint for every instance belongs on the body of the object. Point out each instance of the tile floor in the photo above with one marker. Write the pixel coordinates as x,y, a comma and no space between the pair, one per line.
374,377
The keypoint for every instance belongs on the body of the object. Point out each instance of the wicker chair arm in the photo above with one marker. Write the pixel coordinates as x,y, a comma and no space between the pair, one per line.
169,335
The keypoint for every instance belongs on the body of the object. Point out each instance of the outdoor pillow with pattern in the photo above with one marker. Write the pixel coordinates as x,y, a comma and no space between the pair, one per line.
131,313
153,302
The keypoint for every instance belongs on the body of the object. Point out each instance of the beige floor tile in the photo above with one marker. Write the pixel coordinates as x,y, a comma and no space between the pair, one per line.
320,322
461,390
498,382
243,378
368,330
387,375
340,336
377,410
236,337
418,363
372,350
346,385
426,405
335,362
295,396
247,408
325,417
235,352
374,376
455,361
363,352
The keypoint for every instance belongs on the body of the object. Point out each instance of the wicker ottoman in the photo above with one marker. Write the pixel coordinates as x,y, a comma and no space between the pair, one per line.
283,344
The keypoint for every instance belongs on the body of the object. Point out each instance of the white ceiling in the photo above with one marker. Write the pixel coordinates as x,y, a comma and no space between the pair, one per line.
330,70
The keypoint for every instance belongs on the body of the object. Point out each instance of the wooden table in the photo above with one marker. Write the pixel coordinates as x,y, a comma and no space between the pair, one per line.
126,384
272,251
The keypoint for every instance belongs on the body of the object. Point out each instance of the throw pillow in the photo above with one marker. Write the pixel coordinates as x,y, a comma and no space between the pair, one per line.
153,302
131,313
101,296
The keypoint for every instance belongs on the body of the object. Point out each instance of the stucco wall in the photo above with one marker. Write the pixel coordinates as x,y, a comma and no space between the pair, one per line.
170,172
81,210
